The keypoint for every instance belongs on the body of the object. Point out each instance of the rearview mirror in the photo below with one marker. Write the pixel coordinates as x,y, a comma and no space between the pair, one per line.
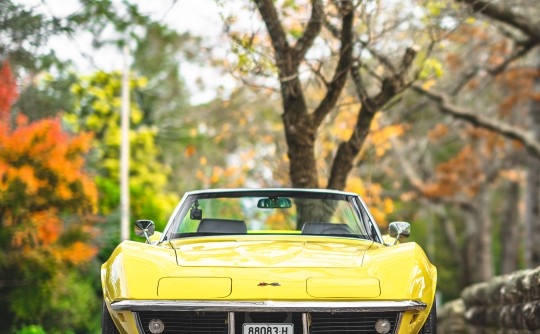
399,230
144,228
274,203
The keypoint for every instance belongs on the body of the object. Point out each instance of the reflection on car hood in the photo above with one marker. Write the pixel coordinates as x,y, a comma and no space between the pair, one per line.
260,252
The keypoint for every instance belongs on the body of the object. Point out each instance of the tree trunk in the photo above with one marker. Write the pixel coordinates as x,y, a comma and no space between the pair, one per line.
300,137
510,231
485,251
299,124
532,215
300,134
532,191
470,249
478,246
449,230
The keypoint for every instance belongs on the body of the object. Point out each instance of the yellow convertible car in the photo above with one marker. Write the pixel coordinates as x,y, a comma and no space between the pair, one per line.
269,261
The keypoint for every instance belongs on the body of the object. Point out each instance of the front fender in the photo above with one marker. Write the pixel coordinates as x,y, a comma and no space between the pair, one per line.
405,273
132,272
134,269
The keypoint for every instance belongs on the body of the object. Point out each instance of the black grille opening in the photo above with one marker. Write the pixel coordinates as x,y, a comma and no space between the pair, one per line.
240,318
349,322
187,322
217,322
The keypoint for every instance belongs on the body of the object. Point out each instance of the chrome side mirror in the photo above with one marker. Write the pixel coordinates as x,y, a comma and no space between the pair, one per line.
399,230
144,228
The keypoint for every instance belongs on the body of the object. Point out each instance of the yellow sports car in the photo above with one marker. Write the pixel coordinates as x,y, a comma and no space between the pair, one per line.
269,261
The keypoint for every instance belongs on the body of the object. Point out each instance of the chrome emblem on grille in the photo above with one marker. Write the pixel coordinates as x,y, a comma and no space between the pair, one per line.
269,284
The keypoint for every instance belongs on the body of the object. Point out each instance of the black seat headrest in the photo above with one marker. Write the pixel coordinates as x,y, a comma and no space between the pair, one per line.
216,225
325,228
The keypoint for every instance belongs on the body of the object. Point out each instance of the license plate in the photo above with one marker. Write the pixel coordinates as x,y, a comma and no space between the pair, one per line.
268,329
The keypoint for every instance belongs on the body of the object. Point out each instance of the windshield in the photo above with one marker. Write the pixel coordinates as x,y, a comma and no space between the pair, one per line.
268,213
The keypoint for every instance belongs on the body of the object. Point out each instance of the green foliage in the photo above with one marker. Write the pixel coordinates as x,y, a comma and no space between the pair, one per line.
23,32
432,68
47,96
31,329
98,16
97,110
47,289
248,58
71,305
435,7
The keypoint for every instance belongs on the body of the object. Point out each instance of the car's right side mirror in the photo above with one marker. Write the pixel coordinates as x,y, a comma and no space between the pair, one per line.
144,228
399,230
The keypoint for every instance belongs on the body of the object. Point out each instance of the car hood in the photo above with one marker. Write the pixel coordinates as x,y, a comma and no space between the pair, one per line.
274,251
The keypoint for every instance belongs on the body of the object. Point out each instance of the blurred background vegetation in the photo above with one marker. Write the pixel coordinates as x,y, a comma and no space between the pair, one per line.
437,103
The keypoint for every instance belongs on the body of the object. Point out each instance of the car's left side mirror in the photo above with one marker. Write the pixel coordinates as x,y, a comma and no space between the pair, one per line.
144,228
399,230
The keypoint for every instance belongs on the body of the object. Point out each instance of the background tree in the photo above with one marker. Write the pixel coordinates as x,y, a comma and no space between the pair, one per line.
24,33
349,32
514,37
39,286
380,74
47,204
97,100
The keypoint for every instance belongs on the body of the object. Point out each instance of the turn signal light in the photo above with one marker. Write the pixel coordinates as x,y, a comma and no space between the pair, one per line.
156,326
382,326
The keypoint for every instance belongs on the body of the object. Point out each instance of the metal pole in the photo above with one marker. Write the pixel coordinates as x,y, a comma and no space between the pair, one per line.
124,150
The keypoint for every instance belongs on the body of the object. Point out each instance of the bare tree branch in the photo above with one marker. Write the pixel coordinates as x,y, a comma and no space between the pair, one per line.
347,151
332,28
381,58
310,33
372,72
465,79
502,128
414,179
521,50
418,185
340,74
277,34
360,88
506,15
318,73
407,60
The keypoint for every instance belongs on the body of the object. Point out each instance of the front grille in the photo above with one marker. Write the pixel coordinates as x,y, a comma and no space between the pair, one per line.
217,322
186,322
350,322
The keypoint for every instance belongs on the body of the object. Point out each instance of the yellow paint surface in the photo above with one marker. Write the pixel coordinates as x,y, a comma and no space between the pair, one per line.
190,287
307,268
353,287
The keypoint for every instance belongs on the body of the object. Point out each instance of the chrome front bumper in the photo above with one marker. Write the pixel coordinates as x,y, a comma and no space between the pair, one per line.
266,306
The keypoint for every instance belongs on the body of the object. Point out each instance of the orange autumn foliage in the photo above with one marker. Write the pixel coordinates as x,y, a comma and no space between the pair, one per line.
518,82
440,130
42,182
462,175
78,252
459,175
